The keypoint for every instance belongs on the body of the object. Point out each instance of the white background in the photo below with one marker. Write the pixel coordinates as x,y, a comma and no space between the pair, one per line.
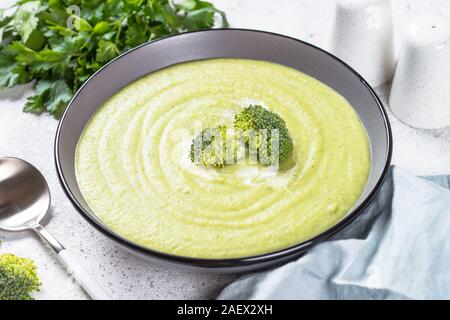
125,276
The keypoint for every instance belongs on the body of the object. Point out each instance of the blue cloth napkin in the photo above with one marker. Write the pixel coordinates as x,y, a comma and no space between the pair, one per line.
399,248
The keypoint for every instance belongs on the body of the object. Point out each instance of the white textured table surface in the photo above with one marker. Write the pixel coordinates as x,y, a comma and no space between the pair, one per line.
126,277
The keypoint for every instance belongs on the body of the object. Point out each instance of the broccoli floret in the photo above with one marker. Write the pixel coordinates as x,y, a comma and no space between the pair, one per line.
262,131
210,147
259,125
18,278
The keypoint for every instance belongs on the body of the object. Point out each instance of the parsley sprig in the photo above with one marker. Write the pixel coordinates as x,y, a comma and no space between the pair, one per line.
36,42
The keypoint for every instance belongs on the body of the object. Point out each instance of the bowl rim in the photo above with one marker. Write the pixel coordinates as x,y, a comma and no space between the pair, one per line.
217,263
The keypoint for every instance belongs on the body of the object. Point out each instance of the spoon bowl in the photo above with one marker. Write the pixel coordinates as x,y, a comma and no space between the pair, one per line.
24,195
24,202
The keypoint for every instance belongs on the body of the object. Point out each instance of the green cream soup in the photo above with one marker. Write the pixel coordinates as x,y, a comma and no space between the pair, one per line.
134,170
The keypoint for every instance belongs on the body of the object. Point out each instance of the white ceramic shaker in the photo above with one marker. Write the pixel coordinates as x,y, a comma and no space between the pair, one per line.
363,38
420,93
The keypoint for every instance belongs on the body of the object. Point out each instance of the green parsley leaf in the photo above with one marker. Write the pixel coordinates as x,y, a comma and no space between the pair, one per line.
25,18
36,103
59,95
46,41
101,28
106,51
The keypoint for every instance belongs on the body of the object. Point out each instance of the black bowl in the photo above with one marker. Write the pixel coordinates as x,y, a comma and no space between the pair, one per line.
223,43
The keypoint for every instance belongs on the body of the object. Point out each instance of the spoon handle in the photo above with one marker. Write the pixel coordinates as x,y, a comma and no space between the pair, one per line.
86,281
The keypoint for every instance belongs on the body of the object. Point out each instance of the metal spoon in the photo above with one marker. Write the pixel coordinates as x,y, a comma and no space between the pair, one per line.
24,202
